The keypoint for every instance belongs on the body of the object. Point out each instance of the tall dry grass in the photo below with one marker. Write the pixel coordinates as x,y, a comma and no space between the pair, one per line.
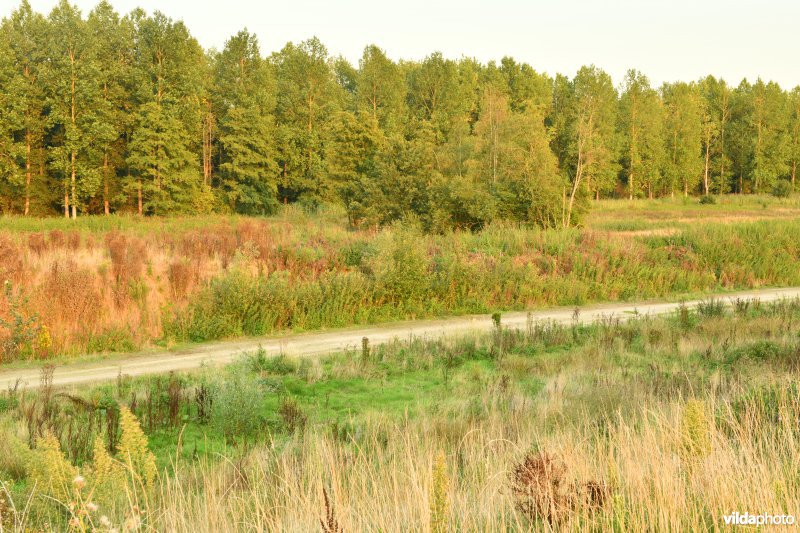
636,475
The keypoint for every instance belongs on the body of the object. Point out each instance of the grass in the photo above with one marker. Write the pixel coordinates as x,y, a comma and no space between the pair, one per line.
122,284
657,423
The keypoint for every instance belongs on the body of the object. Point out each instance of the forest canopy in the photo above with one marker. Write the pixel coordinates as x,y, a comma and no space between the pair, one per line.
109,113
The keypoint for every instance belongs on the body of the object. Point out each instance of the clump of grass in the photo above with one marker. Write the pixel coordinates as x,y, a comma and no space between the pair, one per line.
695,430
439,502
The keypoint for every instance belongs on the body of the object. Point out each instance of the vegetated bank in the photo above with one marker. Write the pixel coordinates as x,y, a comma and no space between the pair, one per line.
120,284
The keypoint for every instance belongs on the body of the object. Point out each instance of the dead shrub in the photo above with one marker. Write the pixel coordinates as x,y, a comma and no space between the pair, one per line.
206,243
541,491
182,276
128,257
256,233
73,240
69,295
293,417
10,260
37,243
537,484
56,238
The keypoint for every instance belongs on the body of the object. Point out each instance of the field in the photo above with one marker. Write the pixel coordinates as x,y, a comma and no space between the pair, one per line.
650,424
664,424
116,284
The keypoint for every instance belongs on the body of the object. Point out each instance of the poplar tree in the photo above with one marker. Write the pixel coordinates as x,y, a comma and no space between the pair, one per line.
794,134
23,34
167,123
243,92
771,140
73,96
380,89
112,40
306,100
683,162
718,102
640,120
589,130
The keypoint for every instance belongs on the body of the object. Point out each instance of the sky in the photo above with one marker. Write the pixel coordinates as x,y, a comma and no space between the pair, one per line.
668,40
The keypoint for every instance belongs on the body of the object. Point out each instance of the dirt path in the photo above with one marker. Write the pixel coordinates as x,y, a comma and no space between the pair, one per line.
312,344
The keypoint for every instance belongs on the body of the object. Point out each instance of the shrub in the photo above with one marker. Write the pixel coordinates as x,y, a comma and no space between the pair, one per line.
22,328
402,270
181,276
538,485
279,364
782,189
708,199
237,406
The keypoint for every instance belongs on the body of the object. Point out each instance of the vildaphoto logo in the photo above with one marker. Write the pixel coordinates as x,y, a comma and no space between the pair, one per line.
746,519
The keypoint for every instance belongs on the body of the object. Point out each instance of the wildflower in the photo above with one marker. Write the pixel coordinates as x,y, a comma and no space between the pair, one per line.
91,506
105,522
78,482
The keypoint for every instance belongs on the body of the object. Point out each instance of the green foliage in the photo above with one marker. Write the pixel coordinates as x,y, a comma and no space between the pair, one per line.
782,189
109,113
22,328
708,199
237,406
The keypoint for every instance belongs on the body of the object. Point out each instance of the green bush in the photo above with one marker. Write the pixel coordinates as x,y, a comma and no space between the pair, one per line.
782,189
708,199
237,406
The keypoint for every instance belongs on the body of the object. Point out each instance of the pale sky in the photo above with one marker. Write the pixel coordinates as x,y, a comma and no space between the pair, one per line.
666,39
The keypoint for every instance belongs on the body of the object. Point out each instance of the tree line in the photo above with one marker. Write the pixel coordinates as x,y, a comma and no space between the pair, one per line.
106,113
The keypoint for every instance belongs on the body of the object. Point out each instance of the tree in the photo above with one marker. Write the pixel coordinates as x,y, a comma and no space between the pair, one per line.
23,34
717,98
771,145
112,48
683,133
244,89
588,130
526,87
74,100
307,99
640,120
162,156
379,88
794,133
9,121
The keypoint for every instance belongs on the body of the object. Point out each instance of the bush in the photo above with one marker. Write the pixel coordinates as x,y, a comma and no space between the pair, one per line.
782,189
236,408
708,199
279,364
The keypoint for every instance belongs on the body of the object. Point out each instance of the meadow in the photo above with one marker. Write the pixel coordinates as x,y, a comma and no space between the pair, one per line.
122,284
651,424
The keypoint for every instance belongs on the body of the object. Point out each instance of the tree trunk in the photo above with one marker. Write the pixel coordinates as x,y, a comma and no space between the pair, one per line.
575,185
705,175
106,208
74,187
630,184
139,194
27,173
72,154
